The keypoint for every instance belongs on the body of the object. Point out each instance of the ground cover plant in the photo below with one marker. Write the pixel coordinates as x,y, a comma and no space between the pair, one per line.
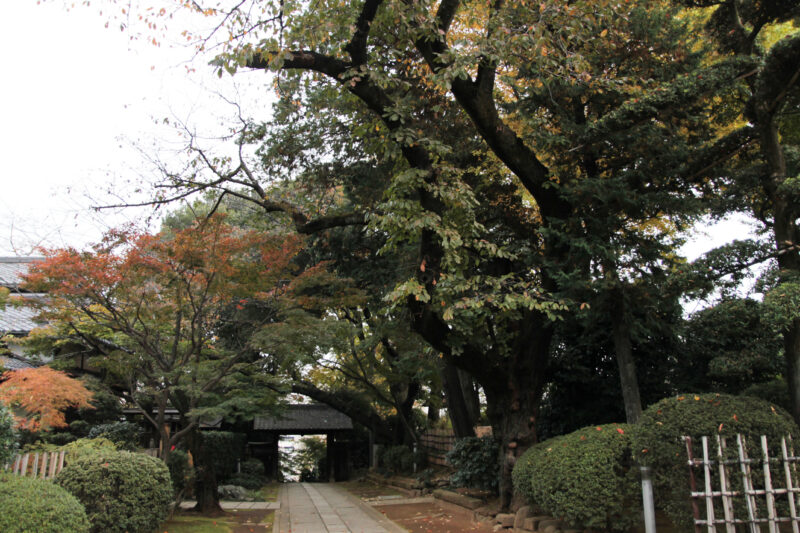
474,460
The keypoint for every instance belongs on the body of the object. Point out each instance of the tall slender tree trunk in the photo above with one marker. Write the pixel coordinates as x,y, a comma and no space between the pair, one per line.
456,403
470,393
629,382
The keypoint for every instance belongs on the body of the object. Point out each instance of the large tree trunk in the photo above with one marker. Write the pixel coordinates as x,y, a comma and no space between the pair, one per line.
513,406
205,481
513,397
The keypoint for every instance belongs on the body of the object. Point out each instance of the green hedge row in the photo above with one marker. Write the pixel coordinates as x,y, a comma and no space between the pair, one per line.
590,477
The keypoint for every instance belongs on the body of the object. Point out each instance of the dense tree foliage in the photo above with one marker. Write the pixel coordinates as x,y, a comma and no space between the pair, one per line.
510,182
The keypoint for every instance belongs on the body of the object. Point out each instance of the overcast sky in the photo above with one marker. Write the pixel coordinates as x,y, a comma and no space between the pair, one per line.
76,95
75,99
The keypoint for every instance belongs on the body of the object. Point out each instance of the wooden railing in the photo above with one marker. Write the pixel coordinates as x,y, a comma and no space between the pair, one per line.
43,465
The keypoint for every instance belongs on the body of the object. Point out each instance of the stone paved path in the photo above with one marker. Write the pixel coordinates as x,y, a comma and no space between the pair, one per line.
326,508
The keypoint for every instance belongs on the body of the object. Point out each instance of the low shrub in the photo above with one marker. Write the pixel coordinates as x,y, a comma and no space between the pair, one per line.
476,462
121,491
657,439
126,435
253,467
248,481
586,478
8,436
39,506
80,428
86,447
59,439
397,459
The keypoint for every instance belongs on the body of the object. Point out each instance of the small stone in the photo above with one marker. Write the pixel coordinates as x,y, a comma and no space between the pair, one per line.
498,527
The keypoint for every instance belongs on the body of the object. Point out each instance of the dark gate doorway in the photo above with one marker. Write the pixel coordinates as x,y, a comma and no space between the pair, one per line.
304,419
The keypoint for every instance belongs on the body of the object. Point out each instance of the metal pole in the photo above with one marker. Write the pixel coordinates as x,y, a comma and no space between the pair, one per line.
647,500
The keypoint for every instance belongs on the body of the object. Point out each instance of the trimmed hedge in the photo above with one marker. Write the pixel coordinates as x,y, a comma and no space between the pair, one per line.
586,478
476,462
125,435
38,506
121,491
657,439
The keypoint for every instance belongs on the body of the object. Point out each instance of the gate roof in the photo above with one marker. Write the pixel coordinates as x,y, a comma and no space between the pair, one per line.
305,418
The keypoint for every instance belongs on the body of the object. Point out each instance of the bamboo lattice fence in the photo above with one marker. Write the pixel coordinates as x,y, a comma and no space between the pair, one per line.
44,465
740,492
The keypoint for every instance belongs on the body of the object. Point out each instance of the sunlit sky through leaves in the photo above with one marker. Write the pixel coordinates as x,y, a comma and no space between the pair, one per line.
77,98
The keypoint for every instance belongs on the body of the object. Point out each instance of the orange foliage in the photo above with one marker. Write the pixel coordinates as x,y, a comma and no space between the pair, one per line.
44,394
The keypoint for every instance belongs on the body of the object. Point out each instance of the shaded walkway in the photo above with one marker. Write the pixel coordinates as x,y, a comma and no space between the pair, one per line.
326,508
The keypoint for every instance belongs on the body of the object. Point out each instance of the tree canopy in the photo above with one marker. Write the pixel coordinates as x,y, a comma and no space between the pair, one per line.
499,177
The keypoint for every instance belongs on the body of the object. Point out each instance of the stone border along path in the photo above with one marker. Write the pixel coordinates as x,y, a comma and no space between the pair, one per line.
326,508
229,505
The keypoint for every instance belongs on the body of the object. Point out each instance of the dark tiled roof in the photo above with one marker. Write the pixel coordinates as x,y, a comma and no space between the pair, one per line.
305,418
12,363
19,319
12,269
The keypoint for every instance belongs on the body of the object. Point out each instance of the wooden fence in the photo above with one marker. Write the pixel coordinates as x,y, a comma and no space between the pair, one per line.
44,465
737,489
436,443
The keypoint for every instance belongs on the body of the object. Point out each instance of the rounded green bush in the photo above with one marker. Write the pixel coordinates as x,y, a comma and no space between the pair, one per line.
38,506
121,491
586,478
658,439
